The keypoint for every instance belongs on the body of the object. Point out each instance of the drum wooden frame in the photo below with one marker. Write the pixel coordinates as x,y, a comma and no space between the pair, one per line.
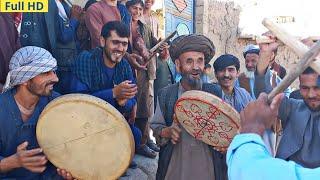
207,118
86,136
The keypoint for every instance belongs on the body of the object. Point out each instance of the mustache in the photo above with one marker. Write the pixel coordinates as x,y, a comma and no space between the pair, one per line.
51,83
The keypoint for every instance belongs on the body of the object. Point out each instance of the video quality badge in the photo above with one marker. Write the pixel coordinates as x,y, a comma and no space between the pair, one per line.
24,5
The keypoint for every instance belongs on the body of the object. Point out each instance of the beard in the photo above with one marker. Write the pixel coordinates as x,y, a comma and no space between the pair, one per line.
40,90
194,83
249,74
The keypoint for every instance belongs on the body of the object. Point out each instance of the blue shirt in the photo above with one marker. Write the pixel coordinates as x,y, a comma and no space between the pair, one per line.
13,132
249,159
76,86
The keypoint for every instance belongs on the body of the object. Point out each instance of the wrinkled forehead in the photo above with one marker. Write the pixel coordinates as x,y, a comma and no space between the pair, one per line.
252,56
191,55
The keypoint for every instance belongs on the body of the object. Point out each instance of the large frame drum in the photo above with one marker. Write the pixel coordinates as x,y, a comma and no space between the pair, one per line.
207,118
86,136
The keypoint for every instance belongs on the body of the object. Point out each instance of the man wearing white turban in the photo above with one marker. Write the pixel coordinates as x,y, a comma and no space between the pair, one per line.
28,89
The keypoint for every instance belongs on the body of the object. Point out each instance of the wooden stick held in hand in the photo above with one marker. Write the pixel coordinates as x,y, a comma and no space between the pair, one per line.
303,64
298,47
155,48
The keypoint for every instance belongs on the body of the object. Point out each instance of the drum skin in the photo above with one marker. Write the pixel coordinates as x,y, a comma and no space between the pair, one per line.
207,118
85,136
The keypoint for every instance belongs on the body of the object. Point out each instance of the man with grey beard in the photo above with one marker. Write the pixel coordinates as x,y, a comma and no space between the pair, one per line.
181,155
246,79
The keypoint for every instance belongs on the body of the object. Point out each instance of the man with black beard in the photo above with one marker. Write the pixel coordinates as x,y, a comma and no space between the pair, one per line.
300,141
103,72
28,89
181,155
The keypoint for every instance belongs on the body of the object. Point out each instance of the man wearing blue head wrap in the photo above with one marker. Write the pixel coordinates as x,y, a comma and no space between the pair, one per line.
28,89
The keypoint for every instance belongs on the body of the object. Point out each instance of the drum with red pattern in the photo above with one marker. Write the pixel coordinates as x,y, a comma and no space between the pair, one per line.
207,118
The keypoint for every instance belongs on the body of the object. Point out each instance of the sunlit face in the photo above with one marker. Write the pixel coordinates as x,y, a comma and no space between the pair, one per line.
148,3
310,91
136,11
115,47
227,76
251,61
191,65
42,84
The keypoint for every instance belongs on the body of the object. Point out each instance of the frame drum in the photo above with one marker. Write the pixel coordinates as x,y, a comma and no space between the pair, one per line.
85,136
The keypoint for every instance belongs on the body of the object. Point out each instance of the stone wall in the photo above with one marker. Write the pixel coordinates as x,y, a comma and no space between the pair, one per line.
219,21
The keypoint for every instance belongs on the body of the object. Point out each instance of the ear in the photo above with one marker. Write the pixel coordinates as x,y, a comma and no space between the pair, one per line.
102,41
178,65
238,73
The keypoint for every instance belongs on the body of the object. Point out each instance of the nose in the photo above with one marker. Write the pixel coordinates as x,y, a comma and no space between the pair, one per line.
53,76
312,93
226,73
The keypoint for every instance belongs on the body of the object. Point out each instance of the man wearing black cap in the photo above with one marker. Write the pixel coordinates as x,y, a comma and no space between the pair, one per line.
181,155
226,69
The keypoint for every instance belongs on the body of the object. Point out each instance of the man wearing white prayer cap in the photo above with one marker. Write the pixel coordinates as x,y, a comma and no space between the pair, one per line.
28,89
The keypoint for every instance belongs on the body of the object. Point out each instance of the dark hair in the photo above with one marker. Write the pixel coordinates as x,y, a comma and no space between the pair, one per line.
309,70
134,2
89,3
121,29
224,61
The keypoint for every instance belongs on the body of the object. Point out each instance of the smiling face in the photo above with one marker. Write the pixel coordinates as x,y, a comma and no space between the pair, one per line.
42,84
227,77
191,65
115,48
136,11
310,91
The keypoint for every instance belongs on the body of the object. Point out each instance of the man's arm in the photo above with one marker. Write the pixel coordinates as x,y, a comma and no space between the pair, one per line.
248,159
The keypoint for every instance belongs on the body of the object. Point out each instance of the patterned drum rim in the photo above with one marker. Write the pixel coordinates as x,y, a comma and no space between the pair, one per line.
201,122
86,136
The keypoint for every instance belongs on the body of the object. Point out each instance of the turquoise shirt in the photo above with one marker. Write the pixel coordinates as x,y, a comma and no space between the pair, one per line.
249,159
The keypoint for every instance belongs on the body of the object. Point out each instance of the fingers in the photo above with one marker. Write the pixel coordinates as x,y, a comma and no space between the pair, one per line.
37,169
22,146
275,103
175,134
64,174
32,152
35,161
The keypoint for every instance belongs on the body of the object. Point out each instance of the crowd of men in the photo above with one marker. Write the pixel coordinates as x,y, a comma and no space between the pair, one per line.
103,50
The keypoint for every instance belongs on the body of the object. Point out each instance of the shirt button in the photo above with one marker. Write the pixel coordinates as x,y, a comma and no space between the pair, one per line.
25,35
34,24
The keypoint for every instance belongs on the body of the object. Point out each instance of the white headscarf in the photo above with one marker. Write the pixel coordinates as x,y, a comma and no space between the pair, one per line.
26,63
